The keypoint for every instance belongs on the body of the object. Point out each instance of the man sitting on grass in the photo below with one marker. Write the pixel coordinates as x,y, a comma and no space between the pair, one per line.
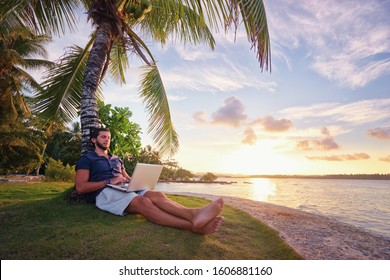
96,169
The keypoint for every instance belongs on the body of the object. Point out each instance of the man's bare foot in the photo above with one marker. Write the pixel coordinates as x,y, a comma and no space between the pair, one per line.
211,227
208,213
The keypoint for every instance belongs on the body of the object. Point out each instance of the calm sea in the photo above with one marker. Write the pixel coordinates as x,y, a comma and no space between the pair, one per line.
362,203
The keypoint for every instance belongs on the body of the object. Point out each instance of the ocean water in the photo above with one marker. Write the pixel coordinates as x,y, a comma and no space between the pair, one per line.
362,203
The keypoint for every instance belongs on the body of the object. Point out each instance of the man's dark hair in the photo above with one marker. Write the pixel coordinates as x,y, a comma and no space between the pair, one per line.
95,131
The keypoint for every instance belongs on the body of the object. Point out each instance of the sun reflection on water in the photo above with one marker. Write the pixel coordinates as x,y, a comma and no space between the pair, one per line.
262,188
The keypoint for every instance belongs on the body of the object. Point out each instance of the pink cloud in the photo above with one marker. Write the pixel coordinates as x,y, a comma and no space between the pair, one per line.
274,125
231,113
200,117
355,156
322,145
250,137
385,158
326,144
382,133
325,131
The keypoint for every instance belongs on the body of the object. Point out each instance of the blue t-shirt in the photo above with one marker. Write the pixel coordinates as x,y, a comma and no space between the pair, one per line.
100,169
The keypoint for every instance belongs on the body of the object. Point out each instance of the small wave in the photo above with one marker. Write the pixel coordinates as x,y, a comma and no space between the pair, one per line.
309,208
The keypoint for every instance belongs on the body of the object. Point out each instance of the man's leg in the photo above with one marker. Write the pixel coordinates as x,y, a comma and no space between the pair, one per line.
197,216
145,207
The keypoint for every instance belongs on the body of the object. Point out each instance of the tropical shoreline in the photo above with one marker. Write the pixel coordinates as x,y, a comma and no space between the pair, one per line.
314,236
197,182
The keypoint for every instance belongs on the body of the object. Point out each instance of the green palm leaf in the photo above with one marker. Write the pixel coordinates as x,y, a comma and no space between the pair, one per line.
255,21
181,22
231,13
119,61
45,16
153,94
61,96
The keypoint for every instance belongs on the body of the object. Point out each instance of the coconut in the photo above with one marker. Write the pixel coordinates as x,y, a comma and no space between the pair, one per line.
147,10
145,4
130,8
138,13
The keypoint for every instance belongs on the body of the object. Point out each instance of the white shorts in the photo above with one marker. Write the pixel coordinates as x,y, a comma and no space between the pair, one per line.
116,202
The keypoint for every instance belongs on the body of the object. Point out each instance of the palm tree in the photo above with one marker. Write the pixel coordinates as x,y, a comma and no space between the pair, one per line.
16,51
74,84
20,145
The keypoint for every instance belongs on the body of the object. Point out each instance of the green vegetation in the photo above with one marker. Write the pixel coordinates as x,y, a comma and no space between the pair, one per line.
56,171
208,177
38,223
125,134
20,145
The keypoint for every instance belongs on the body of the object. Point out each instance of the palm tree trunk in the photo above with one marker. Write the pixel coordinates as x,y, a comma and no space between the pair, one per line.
89,117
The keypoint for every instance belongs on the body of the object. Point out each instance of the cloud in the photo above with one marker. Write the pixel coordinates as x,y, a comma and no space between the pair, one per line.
174,98
325,144
322,145
355,156
356,113
385,158
250,137
382,133
348,40
200,117
200,69
271,124
231,113
325,131
195,53
214,77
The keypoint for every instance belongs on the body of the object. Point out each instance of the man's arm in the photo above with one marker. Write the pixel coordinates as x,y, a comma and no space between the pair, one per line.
84,186
82,183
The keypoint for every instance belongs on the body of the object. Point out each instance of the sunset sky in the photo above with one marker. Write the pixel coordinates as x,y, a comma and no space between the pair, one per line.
323,109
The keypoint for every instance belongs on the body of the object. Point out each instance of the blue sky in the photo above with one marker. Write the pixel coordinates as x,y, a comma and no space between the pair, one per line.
324,108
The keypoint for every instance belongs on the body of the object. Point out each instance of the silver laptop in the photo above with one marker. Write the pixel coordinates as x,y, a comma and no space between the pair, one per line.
145,176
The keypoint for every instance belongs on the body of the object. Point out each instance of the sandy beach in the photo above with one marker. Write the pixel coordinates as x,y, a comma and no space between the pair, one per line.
313,236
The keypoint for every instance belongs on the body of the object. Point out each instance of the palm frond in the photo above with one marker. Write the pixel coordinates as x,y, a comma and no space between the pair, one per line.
45,16
231,13
31,45
119,61
214,12
28,80
10,22
255,21
38,63
139,47
154,97
62,88
181,22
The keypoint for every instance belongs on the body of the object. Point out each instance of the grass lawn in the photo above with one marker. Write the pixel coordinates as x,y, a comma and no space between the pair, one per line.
38,223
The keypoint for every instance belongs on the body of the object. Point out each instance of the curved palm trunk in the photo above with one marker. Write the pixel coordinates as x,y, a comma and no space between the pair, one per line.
89,117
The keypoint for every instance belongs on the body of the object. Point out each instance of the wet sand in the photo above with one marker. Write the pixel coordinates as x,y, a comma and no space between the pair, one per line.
315,237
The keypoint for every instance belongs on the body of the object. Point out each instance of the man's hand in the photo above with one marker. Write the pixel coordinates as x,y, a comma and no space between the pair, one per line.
120,179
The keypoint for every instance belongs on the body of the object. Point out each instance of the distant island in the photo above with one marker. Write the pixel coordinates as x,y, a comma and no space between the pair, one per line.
214,178
327,176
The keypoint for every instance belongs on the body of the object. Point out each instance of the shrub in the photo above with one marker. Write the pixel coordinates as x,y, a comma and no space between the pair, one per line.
209,177
56,171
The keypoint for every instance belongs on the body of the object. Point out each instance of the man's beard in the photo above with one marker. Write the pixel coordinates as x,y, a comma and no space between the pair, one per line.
101,146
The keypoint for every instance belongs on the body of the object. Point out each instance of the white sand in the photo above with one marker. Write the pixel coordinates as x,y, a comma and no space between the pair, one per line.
314,237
